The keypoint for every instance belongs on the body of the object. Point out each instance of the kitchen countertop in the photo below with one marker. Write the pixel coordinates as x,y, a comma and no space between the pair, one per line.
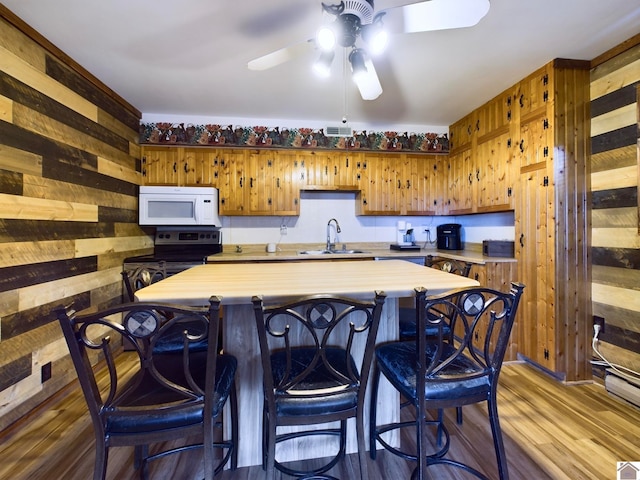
291,252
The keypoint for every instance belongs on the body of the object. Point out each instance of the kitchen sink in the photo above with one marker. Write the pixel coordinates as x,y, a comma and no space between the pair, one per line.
348,251
329,252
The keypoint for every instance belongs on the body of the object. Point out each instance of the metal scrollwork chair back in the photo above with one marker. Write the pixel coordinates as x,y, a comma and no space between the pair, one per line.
168,396
316,355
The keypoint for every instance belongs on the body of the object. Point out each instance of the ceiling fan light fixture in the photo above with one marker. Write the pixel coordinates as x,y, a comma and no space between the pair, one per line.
326,38
377,40
369,83
357,61
322,66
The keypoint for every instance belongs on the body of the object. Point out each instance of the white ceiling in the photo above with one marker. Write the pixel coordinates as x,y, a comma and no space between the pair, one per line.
189,58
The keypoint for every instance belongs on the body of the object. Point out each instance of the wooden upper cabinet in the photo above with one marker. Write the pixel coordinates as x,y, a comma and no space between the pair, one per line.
161,165
481,174
462,133
181,166
495,116
535,91
234,192
418,184
536,139
379,188
495,174
201,167
460,182
330,170
274,182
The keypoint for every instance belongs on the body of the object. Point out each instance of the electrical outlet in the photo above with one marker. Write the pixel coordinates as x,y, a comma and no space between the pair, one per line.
599,321
283,230
45,372
427,230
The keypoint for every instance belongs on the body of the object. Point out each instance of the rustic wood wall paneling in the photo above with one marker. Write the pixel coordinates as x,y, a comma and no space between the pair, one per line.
617,158
12,372
37,102
86,89
69,176
615,251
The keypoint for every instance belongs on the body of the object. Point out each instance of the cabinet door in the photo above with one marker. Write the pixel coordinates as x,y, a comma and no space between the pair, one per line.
200,166
332,169
234,192
535,144
463,131
535,91
462,178
441,170
379,186
318,167
287,180
273,181
418,185
161,165
494,174
495,115
536,266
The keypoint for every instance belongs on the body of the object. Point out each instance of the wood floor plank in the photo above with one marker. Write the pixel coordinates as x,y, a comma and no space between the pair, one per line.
551,431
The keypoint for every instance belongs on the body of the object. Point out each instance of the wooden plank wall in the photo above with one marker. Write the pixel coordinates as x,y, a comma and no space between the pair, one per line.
615,248
69,172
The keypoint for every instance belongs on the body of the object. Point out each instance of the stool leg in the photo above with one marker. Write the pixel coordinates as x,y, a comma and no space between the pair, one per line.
375,381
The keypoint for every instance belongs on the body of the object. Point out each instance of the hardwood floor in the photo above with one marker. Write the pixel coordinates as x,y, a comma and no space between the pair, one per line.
551,431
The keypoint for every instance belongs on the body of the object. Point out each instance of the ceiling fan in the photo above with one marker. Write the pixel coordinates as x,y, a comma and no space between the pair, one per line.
356,26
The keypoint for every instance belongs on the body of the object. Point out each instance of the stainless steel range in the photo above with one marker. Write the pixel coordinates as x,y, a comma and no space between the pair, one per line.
180,248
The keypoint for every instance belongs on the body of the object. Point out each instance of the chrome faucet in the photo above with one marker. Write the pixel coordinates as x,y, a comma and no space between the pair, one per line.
330,245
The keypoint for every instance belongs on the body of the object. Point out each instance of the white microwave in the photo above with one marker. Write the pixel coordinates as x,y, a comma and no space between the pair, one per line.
160,206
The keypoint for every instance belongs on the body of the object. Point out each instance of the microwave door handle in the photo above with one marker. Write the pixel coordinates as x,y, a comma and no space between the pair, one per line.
195,211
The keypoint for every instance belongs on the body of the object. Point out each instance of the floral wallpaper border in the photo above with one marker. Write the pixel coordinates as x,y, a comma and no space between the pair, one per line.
164,133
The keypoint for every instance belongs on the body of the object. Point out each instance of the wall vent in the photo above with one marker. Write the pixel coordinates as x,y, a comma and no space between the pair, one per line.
331,131
621,387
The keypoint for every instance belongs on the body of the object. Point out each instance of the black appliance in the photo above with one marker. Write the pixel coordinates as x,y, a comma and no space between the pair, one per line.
180,248
448,236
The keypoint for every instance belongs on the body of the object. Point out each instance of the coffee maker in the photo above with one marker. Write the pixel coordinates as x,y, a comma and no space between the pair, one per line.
405,238
404,233
449,237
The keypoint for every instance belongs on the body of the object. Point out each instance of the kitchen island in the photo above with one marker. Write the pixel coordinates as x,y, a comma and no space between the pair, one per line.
237,283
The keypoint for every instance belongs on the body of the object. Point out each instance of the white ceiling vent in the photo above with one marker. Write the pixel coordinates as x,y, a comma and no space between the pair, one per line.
338,131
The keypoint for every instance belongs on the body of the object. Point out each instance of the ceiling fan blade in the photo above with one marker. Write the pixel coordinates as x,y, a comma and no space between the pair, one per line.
281,56
369,83
435,15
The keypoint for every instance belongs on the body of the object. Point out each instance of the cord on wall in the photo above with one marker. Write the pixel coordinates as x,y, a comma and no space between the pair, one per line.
620,369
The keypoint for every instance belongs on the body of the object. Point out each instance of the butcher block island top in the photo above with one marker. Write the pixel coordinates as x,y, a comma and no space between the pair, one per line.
236,283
